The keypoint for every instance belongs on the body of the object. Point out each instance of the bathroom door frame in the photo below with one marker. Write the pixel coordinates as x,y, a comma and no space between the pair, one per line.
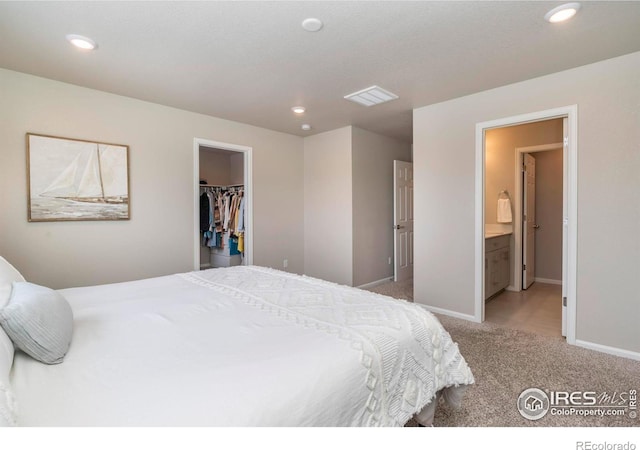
518,205
569,221
247,161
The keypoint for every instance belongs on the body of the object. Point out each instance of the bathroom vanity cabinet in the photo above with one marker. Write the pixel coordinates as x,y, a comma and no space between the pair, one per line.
497,263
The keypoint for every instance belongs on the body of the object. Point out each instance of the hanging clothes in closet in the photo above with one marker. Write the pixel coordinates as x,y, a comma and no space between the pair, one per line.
222,218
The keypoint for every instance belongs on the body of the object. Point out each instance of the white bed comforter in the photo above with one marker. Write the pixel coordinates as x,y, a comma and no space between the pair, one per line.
243,346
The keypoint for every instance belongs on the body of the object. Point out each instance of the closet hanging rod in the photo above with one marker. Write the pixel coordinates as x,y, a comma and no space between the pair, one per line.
222,185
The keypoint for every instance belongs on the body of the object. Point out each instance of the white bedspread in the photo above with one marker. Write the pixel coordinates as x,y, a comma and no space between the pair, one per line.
244,346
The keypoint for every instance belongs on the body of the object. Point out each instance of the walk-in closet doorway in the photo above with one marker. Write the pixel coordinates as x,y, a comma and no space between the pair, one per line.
220,168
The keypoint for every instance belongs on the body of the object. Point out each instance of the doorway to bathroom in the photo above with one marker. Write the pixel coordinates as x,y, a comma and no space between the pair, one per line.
525,270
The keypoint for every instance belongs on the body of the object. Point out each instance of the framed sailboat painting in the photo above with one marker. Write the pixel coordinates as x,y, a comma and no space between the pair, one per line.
73,179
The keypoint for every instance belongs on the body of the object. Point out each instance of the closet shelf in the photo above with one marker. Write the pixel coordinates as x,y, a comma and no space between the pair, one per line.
222,185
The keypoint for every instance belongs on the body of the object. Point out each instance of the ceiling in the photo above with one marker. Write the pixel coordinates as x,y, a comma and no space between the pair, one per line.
252,61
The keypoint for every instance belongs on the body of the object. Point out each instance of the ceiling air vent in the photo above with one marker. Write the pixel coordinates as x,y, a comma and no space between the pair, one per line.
370,96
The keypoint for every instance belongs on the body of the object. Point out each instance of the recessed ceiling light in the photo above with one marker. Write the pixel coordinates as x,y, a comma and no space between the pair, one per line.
312,24
82,42
298,109
305,126
373,95
562,12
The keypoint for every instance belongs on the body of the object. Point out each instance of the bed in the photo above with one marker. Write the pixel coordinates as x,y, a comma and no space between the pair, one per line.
239,346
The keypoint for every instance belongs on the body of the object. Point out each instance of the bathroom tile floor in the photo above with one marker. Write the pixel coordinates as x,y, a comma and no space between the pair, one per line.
537,310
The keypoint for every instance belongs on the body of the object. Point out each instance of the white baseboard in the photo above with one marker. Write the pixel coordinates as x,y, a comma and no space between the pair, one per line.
547,281
375,283
446,312
610,350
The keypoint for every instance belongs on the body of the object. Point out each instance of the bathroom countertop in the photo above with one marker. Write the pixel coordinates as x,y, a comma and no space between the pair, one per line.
493,234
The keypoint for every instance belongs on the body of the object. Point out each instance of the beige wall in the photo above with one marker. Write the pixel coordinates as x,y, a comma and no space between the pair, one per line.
236,167
221,167
159,237
215,167
372,156
328,244
607,94
549,214
348,178
500,157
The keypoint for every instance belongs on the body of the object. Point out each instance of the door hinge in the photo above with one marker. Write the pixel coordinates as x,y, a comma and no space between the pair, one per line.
565,141
524,267
564,301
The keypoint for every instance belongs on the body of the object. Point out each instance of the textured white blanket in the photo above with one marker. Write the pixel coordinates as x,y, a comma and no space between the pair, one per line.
239,346
407,354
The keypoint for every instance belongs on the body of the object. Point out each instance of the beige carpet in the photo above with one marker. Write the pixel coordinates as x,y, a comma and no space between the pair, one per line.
400,289
505,362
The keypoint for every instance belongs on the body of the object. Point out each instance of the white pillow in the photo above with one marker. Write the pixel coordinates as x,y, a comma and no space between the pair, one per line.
8,274
39,321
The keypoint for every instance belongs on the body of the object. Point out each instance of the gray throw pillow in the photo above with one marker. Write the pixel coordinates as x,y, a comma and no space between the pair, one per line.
39,321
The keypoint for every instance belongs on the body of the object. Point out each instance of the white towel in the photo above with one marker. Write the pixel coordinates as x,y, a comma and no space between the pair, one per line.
504,210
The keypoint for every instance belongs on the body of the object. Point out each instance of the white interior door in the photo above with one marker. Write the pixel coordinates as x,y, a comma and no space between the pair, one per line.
529,222
565,221
403,220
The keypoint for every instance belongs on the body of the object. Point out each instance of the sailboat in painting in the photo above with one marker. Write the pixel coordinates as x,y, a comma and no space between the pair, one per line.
92,178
